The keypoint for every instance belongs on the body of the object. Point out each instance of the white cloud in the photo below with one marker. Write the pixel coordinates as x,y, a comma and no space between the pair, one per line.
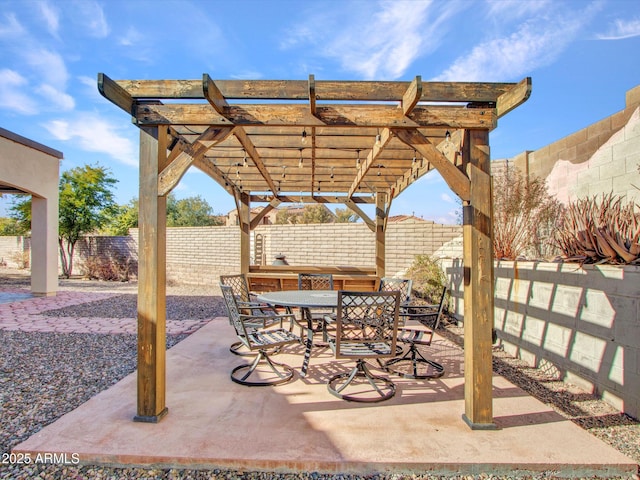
56,98
131,38
94,134
11,27
51,18
536,43
49,65
375,39
622,29
447,198
385,45
247,75
91,14
508,10
451,217
11,95
90,88
296,35
88,81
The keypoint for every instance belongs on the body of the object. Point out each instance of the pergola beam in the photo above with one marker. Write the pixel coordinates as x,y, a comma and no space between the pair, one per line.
213,94
358,211
183,156
245,141
457,181
216,174
299,115
375,152
326,90
514,97
312,199
412,96
256,220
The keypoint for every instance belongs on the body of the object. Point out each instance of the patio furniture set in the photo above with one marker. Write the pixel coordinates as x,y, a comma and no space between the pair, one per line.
379,329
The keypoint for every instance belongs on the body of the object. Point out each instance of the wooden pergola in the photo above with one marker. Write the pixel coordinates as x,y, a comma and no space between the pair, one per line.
347,142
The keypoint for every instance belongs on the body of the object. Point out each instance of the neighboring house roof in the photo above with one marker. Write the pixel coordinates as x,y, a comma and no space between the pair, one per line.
405,218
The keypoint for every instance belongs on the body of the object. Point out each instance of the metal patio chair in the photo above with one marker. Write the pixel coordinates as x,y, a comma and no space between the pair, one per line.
419,323
366,328
317,281
259,339
402,285
246,303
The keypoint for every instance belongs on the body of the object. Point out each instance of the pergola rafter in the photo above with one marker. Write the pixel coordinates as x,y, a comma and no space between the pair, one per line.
312,141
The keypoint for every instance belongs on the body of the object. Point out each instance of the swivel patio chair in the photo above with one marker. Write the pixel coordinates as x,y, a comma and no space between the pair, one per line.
402,285
419,323
366,328
317,281
259,339
246,304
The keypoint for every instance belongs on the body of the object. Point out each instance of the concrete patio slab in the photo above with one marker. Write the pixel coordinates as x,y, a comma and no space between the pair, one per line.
300,426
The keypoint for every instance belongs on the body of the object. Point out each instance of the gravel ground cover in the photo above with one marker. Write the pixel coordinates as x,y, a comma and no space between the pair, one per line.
44,375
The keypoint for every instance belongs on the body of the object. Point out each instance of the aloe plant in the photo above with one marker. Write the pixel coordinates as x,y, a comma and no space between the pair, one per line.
600,230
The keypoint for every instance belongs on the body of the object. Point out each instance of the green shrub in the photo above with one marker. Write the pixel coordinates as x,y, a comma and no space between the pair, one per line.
428,278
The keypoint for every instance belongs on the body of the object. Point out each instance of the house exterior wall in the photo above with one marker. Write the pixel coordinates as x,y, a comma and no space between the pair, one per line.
34,169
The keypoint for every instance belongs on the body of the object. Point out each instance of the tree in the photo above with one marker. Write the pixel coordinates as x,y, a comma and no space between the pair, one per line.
344,215
190,212
317,214
187,212
284,217
524,215
123,219
85,204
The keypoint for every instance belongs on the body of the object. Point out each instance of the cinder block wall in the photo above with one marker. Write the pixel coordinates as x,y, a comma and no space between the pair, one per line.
328,244
12,250
584,322
601,158
198,255
354,244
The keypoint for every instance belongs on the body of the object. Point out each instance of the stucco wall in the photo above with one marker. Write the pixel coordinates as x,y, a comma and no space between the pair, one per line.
582,321
30,167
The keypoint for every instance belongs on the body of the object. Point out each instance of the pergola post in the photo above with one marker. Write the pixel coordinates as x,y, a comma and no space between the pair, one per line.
380,233
478,284
244,217
152,278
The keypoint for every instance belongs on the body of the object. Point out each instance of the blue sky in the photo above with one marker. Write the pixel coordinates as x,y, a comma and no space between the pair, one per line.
582,56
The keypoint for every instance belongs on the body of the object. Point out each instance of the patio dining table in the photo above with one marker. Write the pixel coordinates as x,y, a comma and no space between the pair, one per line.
305,300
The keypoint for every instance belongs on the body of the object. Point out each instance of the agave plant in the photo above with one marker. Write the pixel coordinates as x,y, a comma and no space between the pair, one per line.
605,230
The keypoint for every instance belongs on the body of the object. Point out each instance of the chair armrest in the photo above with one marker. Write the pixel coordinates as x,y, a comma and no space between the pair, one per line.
410,306
268,320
